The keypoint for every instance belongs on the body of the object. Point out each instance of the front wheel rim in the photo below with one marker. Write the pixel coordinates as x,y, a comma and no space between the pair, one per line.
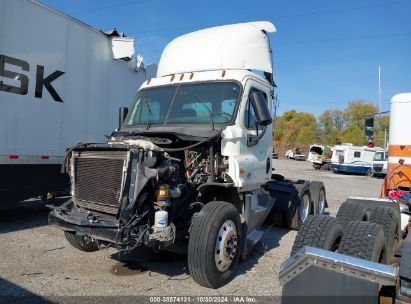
226,245
304,207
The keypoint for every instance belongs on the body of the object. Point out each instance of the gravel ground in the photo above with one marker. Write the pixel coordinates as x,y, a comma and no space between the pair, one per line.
35,258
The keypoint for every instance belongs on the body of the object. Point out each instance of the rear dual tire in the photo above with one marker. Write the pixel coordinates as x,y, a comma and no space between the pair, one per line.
385,217
351,211
318,196
300,207
359,239
319,231
364,240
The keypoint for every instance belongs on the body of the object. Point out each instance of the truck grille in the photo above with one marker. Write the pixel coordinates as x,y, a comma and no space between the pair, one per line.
98,177
378,168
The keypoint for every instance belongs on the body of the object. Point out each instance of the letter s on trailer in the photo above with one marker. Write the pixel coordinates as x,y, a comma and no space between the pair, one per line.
60,83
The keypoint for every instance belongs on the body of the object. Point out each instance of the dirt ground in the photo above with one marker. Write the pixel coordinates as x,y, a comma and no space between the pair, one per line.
36,260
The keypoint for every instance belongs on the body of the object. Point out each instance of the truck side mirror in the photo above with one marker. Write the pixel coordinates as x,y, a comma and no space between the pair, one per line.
262,113
122,113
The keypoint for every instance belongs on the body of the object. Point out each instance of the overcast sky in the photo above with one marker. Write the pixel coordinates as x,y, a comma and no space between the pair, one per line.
326,53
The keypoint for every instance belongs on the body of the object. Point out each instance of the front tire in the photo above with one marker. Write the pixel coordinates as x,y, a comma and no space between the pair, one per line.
214,244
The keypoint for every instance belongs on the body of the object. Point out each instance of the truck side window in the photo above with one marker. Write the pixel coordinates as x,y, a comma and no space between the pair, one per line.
357,154
249,119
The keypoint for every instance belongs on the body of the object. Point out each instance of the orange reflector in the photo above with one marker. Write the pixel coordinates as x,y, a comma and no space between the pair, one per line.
242,170
399,150
148,81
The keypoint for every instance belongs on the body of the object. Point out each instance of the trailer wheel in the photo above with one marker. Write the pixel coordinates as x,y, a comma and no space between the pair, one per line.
351,211
214,244
300,207
364,240
320,231
385,217
318,197
80,242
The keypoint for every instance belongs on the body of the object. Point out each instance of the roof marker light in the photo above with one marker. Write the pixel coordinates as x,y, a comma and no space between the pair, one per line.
191,75
148,81
181,77
172,77
223,73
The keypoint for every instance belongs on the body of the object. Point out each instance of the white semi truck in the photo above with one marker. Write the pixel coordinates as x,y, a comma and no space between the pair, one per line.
61,82
190,168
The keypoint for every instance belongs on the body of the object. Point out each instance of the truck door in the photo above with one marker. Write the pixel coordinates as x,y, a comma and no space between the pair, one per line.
256,153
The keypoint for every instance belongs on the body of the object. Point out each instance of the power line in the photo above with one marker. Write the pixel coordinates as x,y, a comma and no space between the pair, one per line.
344,9
107,7
325,12
157,51
344,39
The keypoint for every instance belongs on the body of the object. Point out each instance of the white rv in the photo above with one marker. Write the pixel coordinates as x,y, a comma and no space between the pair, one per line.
61,82
348,158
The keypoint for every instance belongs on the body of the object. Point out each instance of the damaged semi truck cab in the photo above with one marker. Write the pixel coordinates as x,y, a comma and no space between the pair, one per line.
189,169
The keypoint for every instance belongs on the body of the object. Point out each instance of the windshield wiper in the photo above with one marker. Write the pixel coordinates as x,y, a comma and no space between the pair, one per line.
208,109
150,114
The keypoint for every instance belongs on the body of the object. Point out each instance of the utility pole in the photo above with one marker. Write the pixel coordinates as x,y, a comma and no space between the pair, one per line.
379,86
385,139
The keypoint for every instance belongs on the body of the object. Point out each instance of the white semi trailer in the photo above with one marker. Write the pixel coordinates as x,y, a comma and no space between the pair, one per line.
61,82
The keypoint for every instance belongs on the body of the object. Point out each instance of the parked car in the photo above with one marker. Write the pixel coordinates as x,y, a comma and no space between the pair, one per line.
295,154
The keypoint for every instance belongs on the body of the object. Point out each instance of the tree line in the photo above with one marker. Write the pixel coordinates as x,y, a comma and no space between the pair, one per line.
293,128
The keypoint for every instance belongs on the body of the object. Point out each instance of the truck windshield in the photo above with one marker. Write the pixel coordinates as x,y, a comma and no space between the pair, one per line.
199,103
380,156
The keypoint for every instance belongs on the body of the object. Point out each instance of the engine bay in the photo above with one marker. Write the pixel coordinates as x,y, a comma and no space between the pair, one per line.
151,187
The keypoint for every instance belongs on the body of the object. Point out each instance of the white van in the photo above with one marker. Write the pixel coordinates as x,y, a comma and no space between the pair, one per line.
380,163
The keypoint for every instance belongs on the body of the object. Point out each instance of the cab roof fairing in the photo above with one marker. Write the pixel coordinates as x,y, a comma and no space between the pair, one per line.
242,46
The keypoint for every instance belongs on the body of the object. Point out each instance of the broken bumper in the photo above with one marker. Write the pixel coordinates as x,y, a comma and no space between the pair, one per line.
105,230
